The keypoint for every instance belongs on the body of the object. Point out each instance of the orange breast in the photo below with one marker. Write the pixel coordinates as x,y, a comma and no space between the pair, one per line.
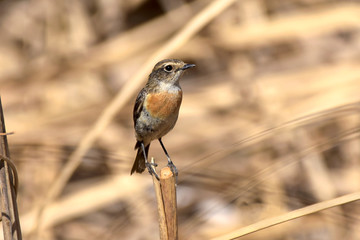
163,105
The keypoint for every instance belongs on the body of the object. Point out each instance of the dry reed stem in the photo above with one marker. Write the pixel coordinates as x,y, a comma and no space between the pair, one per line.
168,192
128,90
269,222
9,211
160,205
14,172
5,205
165,191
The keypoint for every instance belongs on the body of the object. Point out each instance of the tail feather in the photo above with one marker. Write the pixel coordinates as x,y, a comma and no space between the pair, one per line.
139,163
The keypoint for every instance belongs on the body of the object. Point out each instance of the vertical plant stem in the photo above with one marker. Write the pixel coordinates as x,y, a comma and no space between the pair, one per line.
9,212
161,211
168,190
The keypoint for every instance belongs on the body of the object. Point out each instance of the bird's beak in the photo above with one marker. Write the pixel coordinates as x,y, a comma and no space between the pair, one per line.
186,66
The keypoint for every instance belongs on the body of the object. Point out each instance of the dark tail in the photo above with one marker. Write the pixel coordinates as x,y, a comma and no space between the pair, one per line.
139,164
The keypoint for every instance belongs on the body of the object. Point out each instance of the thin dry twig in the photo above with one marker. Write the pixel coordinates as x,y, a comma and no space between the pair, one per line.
6,134
269,222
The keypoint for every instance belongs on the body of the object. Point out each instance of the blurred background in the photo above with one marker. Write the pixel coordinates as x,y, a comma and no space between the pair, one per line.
269,121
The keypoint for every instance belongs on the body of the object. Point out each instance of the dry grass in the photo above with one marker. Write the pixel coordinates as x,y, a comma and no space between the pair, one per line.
269,121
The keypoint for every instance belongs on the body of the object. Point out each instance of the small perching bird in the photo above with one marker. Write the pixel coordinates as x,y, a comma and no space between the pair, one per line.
156,110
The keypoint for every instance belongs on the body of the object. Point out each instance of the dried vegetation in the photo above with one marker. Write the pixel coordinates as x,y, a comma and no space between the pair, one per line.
269,122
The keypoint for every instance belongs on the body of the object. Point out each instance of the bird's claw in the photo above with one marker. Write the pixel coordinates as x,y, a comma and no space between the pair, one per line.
173,168
151,169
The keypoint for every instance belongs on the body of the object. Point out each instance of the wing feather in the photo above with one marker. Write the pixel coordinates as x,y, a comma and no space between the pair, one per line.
139,103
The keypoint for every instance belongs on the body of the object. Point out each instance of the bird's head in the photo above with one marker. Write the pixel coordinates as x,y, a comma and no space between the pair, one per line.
169,70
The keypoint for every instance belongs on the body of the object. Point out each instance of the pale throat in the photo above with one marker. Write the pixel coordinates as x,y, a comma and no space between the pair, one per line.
169,87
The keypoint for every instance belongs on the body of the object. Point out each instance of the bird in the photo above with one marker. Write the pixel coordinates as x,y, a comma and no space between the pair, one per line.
156,111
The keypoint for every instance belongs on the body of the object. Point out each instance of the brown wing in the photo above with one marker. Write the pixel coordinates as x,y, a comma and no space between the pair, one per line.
139,103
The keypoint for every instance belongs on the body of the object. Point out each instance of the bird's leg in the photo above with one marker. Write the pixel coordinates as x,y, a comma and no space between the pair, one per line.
148,165
170,163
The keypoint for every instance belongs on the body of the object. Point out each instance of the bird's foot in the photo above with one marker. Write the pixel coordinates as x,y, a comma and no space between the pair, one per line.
151,168
172,167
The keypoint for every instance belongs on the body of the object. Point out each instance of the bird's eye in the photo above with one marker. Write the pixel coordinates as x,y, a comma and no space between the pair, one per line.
168,68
